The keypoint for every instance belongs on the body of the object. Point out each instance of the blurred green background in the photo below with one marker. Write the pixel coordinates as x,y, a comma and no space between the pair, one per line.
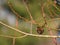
8,17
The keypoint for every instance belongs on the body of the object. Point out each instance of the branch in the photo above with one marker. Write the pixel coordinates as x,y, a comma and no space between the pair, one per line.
11,7
7,36
55,6
54,39
13,43
51,9
29,15
46,36
21,36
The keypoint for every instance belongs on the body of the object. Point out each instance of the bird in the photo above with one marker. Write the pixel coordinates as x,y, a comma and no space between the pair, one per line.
40,30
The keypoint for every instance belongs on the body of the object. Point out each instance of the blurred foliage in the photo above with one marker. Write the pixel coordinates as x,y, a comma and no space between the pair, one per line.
51,15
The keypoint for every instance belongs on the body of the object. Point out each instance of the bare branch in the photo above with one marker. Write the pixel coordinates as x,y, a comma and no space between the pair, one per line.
46,36
54,39
6,36
51,9
21,36
13,41
29,14
10,5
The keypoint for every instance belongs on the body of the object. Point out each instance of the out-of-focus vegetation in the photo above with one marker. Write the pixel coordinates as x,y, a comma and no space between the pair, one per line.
29,10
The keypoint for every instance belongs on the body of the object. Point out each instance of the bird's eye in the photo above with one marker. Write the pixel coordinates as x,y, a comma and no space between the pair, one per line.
40,30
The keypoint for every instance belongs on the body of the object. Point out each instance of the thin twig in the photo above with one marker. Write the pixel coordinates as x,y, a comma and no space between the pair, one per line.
29,14
32,21
43,14
31,28
6,36
52,10
28,10
46,36
54,39
11,7
13,41
51,15
51,33
46,5
12,36
55,6
21,36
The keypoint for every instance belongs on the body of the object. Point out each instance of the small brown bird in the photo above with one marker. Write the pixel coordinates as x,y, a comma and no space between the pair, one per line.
40,30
